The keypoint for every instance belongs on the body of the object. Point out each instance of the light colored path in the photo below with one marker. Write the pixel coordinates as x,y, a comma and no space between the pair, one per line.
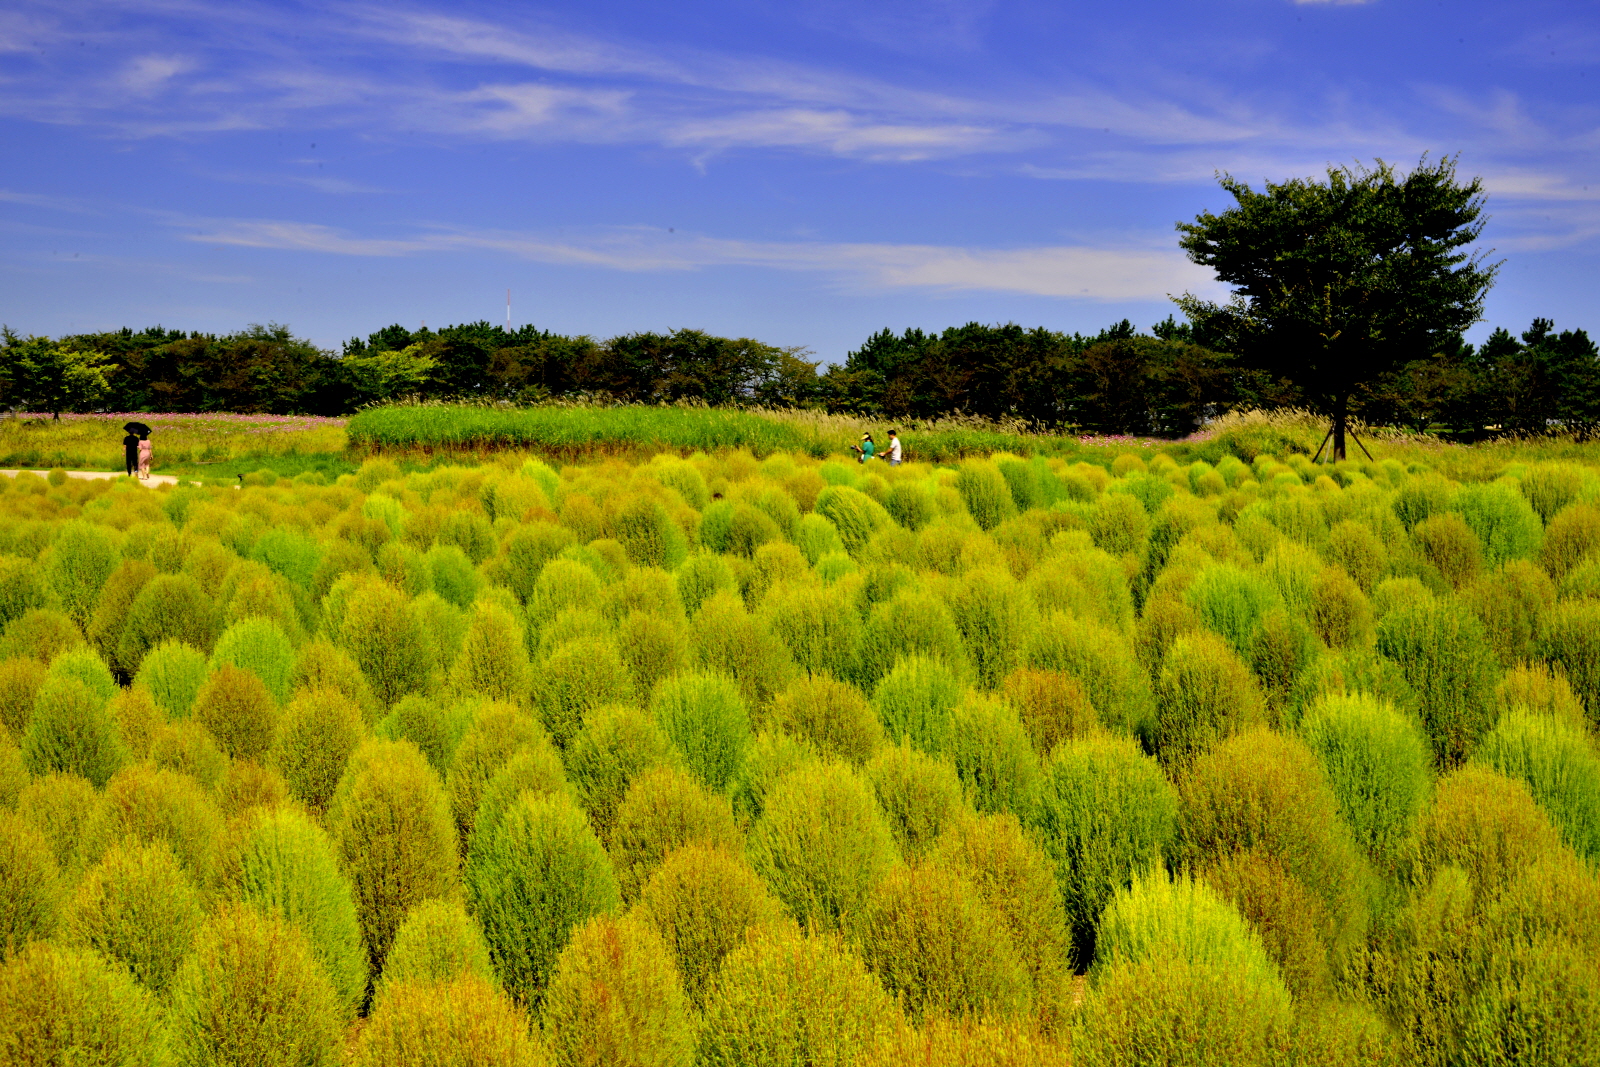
92,476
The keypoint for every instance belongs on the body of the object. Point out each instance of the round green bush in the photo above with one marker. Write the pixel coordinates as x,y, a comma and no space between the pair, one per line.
654,648
913,623
783,999
1103,661
984,492
68,1005
83,665
253,992
110,616
465,1022
562,584
832,715
61,807
817,538
138,908
324,666
854,514
706,720
534,877
390,821
260,647
725,638
818,625
648,535
187,747
30,885
20,588
576,678
702,899
1379,767
316,736
822,843
1571,642
382,636
145,805
1017,883
535,769
41,634
1511,603
20,679
1445,655
919,794
1205,694
994,756
1052,704
665,809
939,949
451,575
288,552
1503,520
616,998
1571,539
434,725
286,864
916,701
169,607
990,610
1231,602
238,709
73,731
1339,611
438,943
1261,790
496,733
618,742
1105,811
701,577
1558,763
174,673
1450,545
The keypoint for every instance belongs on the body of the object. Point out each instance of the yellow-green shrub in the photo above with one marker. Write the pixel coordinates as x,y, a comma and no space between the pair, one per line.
493,660
61,807
822,843
938,948
832,715
253,992
970,1043
727,639
316,735
575,679
702,899
168,607
854,514
913,624
496,733
984,492
1379,767
174,673
1340,612
260,647
1053,706
1103,661
30,885
322,665
994,757
137,908
817,624
783,999
1572,538
701,577
1505,523
390,821
1445,655
1105,811
42,634
83,665
654,648
1558,763
615,998
1205,694
20,678
465,1022
72,730
991,613
238,710
285,864
144,805
532,878
1450,545
68,1005
618,742
916,700
1511,603
665,809
919,794
438,943
1571,642
187,747
382,636
707,722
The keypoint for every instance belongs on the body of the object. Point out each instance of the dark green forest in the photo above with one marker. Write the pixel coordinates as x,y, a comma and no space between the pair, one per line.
1121,380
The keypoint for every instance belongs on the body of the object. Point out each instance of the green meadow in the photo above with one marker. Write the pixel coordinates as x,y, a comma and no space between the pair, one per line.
662,736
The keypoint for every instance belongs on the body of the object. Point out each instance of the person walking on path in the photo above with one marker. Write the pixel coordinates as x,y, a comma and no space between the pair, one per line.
130,452
894,449
867,449
146,450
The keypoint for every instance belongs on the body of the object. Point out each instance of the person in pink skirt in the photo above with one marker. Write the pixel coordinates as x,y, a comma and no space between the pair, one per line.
146,450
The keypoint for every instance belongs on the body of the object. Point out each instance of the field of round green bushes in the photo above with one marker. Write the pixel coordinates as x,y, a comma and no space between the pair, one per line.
715,760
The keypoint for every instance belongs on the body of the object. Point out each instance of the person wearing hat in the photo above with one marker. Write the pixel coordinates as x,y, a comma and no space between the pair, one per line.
867,449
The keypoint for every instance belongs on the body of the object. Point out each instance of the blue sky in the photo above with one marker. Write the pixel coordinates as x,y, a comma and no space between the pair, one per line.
805,172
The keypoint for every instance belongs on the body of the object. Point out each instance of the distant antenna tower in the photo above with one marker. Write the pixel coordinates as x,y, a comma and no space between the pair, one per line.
508,311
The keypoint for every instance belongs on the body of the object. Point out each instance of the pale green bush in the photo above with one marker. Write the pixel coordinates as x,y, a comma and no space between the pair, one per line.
916,702
238,710
174,673
464,1022
145,805
618,743
31,887
665,809
72,730
260,647
137,908
438,943
830,714
706,720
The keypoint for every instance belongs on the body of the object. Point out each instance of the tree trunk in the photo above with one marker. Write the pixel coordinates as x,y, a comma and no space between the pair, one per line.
1341,408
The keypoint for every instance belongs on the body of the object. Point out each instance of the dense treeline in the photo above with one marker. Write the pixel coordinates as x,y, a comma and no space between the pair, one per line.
1165,382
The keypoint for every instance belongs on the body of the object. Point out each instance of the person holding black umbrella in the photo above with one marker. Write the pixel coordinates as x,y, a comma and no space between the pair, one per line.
136,448
130,451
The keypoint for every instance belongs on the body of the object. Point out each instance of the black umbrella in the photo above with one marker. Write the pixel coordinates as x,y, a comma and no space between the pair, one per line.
136,427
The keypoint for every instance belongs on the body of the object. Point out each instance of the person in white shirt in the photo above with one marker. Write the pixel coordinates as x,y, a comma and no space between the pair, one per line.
894,449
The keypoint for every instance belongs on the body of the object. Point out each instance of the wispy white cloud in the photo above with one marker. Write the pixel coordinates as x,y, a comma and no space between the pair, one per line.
1105,273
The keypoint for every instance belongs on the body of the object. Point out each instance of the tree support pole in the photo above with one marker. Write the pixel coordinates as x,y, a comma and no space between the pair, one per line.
1318,454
